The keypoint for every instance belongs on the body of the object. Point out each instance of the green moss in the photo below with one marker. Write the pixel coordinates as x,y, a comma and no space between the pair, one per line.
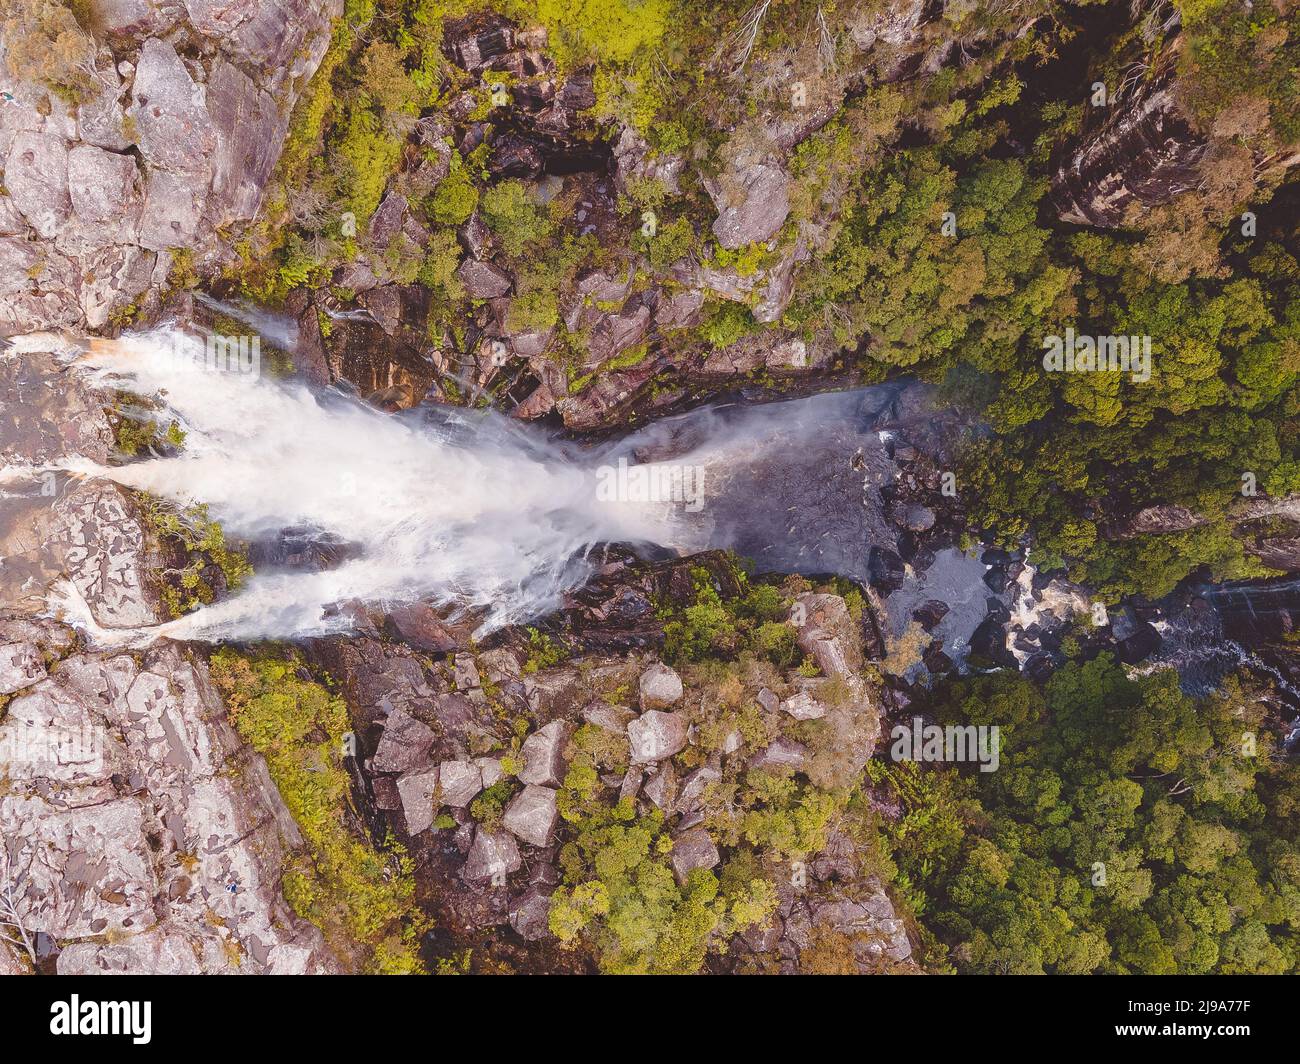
611,30
133,434
725,323
543,651
633,356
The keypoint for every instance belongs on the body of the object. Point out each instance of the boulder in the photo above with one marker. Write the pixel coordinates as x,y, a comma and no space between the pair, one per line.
885,570
475,48
530,914
404,744
611,718
466,673
500,666
1144,642
783,753
460,782
753,203
827,633
36,178
877,935
635,161
492,856
691,850
803,706
551,693
483,280
419,626
916,518
543,753
661,788
630,786
614,333
1157,519
930,613
532,815
661,687
656,735
694,785
416,791
490,770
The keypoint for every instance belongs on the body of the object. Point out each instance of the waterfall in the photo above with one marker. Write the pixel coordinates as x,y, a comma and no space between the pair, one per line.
473,511
468,508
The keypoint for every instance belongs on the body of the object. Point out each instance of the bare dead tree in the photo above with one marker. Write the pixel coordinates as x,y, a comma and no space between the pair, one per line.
738,46
12,927
825,41
309,208
1134,74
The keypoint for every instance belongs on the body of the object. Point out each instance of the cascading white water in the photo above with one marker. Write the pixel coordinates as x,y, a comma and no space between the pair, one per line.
475,511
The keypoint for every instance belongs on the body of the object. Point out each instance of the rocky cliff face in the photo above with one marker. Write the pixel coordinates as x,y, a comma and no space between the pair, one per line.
438,741
1146,145
139,834
1142,155
160,147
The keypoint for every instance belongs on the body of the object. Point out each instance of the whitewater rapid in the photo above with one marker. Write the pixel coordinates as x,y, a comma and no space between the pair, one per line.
474,511
467,509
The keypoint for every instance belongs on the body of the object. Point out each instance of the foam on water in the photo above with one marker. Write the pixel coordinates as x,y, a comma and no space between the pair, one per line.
472,511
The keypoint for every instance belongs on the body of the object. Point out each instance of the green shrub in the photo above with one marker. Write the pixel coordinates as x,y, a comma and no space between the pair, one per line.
361,898
519,223
456,196
611,30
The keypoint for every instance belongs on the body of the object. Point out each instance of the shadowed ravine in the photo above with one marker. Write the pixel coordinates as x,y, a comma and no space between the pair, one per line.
496,520
470,509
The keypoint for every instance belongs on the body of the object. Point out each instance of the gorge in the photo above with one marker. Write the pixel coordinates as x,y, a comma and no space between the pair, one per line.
479,482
